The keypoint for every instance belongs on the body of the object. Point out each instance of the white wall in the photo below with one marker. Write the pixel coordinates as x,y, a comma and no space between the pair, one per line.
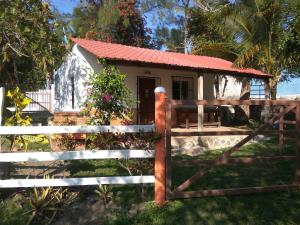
79,64
232,90
164,75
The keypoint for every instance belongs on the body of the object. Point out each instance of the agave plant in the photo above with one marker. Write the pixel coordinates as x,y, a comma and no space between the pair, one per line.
104,192
46,202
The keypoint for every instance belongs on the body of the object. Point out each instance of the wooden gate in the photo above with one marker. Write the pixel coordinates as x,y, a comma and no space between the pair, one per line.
282,106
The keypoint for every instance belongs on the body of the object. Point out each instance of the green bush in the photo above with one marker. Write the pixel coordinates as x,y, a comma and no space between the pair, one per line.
107,96
13,211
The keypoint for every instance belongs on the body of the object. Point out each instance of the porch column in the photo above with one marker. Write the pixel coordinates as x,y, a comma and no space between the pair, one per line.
200,97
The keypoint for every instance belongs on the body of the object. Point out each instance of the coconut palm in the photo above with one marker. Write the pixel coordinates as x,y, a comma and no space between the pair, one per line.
261,29
256,33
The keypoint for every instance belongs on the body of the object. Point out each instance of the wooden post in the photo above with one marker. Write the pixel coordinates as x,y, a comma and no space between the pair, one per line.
200,97
168,149
281,131
160,147
298,144
2,96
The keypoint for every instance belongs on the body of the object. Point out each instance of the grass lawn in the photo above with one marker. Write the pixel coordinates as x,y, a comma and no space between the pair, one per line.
133,204
272,208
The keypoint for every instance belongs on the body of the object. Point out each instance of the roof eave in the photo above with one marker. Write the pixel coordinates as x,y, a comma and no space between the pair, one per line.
198,70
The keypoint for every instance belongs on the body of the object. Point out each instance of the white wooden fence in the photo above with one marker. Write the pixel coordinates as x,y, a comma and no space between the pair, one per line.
41,100
74,155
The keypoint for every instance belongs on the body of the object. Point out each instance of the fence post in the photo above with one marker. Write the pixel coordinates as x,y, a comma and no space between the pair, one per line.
160,147
298,144
2,96
281,131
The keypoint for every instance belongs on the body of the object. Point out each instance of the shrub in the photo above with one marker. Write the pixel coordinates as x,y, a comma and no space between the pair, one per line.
107,96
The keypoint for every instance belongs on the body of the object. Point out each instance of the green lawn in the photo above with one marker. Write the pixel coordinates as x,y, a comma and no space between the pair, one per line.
273,208
133,204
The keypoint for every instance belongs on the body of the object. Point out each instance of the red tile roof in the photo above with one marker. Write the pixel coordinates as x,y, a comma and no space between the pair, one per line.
134,54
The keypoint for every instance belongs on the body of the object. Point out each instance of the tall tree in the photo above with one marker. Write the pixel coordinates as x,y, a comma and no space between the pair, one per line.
260,33
30,47
170,13
116,21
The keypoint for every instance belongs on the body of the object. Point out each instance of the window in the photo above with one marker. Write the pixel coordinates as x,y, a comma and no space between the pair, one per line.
257,89
182,88
73,92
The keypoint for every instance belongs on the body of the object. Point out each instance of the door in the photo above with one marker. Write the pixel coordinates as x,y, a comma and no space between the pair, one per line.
146,98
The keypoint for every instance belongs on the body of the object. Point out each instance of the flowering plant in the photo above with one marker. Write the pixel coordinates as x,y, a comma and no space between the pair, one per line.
108,97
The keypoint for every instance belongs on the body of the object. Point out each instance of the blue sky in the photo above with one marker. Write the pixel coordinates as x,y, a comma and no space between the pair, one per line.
284,88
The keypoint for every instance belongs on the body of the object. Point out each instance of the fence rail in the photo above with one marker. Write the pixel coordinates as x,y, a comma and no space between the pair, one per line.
11,130
64,182
75,155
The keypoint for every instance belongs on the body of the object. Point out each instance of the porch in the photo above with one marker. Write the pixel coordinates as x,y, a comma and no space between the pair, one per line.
183,86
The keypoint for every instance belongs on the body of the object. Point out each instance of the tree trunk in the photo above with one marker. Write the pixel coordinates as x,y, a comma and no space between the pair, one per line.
266,109
185,24
245,95
273,91
15,72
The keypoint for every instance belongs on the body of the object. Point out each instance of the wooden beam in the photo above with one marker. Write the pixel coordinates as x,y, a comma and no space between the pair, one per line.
280,132
234,102
235,160
290,122
226,132
200,97
231,191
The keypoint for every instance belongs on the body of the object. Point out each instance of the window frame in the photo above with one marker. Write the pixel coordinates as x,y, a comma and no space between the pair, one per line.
191,88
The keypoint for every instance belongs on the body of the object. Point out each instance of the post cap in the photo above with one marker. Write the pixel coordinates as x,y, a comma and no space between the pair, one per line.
160,90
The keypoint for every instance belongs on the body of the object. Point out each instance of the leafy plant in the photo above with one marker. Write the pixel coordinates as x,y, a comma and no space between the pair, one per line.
105,193
12,210
20,102
46,202
30,44
107,96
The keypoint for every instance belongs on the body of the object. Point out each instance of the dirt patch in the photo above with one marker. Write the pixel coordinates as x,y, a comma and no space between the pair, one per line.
91,211
38,169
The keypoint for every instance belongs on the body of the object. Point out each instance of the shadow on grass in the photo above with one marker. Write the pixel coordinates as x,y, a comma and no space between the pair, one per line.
280,208
272,208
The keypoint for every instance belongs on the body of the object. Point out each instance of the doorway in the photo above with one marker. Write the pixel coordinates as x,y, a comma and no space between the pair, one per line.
146,100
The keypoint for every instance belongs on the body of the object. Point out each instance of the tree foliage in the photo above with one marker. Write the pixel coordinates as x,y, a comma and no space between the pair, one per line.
253,33
171,17
30,48
117,21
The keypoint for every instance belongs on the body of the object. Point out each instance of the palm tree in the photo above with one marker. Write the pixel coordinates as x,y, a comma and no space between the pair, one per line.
261,29
253,33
